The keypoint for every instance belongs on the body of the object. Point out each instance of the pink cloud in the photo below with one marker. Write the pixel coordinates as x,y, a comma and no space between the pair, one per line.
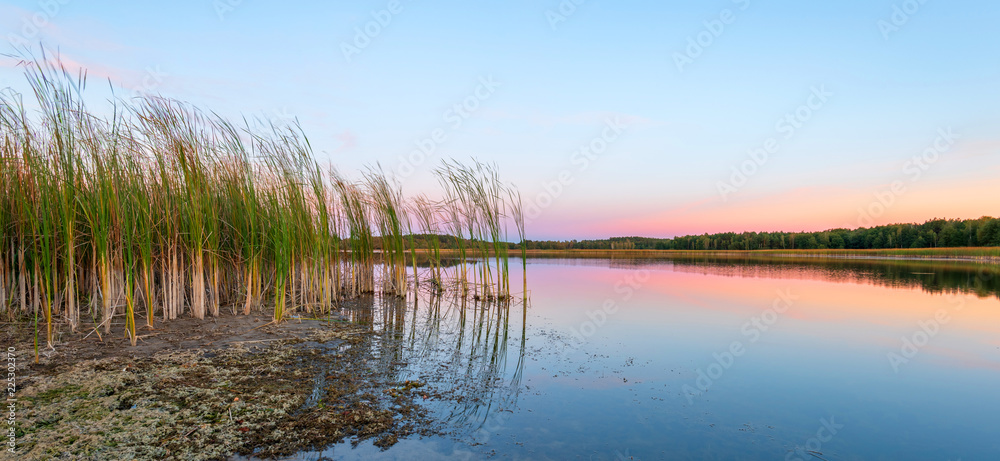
348,140
149,80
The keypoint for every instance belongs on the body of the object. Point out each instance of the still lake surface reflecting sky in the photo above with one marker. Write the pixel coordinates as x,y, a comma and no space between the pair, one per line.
711,358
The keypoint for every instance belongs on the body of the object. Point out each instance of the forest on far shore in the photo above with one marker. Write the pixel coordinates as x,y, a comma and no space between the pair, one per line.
935,233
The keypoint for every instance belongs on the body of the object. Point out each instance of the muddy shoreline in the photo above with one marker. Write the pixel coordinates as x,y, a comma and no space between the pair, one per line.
210,389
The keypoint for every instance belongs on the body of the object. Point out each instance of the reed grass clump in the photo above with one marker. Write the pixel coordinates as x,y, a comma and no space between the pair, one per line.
163,210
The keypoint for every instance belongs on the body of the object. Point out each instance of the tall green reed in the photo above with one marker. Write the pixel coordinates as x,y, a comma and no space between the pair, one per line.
160,208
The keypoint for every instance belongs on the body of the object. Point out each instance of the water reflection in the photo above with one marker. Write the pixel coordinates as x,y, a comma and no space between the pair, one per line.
932,276
474,350
514,390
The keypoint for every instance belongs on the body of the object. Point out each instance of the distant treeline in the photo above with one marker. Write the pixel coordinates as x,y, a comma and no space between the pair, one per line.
935,233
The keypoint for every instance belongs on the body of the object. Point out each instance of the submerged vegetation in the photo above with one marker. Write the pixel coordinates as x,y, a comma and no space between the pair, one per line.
388,368
161,210
314,381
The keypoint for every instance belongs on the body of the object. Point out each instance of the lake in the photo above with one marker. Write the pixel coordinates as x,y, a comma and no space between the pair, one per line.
706,358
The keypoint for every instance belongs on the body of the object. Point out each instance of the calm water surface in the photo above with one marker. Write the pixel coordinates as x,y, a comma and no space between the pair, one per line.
708,358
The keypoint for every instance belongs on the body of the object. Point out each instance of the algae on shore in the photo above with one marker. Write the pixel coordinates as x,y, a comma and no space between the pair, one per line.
291,395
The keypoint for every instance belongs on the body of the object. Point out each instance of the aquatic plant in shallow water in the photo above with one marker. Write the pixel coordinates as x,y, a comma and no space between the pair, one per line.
163,209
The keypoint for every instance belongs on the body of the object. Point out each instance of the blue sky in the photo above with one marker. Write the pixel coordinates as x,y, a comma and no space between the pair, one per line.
556,88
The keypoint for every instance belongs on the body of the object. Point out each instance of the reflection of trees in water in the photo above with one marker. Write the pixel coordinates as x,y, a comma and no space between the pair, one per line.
934,276
457,345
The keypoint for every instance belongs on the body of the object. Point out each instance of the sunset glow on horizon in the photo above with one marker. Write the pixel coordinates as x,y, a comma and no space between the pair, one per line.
805,209
614,119
502,229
